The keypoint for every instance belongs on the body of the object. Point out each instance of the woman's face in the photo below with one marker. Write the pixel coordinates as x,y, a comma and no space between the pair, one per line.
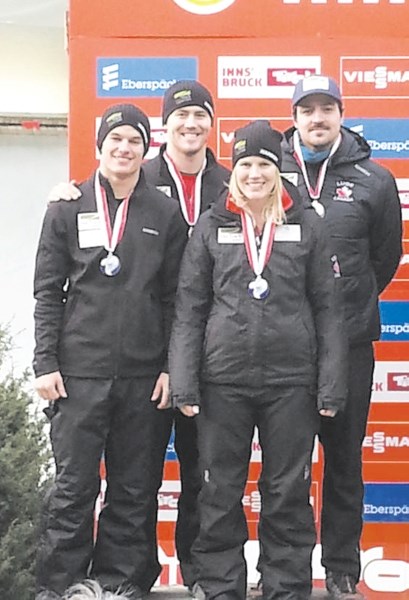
256,177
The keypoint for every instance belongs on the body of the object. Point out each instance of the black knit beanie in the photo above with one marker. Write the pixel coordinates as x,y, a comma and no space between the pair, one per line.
257,138
186,93
124,114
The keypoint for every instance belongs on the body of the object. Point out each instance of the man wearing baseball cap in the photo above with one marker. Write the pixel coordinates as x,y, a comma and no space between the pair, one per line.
105,279
358,200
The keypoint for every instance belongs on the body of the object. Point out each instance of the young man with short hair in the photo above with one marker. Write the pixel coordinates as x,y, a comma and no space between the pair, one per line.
187,170
105,280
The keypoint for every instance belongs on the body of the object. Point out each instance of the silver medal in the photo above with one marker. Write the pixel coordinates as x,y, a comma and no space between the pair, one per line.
258,288
319,208
110,265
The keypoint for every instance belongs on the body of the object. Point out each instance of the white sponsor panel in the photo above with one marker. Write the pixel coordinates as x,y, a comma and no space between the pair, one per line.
378,573
391,382
263,76
158,137
374,76
256,449
226,126
403,188
168,497
386,442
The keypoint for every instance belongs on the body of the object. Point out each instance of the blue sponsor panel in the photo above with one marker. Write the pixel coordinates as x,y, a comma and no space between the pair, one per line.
170,450
141,77
386,503
388,138
394,321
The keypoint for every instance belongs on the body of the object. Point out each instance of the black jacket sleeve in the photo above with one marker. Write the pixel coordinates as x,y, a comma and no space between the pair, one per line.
193,301
386,232
175,245
51,273
328,314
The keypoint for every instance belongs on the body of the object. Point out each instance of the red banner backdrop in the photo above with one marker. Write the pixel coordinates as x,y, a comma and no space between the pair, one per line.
251,54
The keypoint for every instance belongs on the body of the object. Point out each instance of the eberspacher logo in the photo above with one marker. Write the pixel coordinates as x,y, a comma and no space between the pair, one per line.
388,138
263,76
204,7
110,77
141,77
386,502
394,320
375,77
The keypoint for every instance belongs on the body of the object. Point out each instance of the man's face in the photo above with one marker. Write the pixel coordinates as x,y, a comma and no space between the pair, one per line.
318,119
188,129
122,152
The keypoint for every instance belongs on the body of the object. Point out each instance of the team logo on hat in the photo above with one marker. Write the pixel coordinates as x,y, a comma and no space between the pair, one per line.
319,82
204,7
182,96
240,146
114,118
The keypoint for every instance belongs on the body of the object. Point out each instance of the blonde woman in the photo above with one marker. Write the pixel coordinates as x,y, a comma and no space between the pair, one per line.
257,342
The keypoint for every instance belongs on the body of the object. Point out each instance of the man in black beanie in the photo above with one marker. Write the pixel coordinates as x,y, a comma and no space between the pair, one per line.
105,279
187,170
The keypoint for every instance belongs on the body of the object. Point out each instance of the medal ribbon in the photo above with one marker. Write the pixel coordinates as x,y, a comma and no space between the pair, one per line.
257,259
182,192
314,192
112,236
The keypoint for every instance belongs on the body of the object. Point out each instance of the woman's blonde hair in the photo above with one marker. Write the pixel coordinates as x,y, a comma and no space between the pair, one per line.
274,205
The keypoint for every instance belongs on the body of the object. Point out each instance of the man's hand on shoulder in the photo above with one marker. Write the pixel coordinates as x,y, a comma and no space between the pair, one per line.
64,191
50,386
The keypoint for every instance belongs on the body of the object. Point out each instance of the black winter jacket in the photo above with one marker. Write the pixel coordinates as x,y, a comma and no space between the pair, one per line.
91,325
214,179
363,218
293,337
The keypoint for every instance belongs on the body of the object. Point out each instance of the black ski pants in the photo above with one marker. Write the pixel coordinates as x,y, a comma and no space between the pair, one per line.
343,489
287,421
114,416
187,524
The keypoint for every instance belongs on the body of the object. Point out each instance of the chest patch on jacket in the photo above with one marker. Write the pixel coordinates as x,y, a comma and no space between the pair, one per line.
230,235
165,189
288,233
291,177
90,234
344,191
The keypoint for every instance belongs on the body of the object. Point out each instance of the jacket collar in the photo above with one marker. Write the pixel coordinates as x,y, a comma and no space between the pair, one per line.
353,146
137,191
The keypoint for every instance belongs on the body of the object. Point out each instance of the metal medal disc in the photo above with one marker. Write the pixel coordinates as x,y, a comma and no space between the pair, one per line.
258,288
110,265
319,208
